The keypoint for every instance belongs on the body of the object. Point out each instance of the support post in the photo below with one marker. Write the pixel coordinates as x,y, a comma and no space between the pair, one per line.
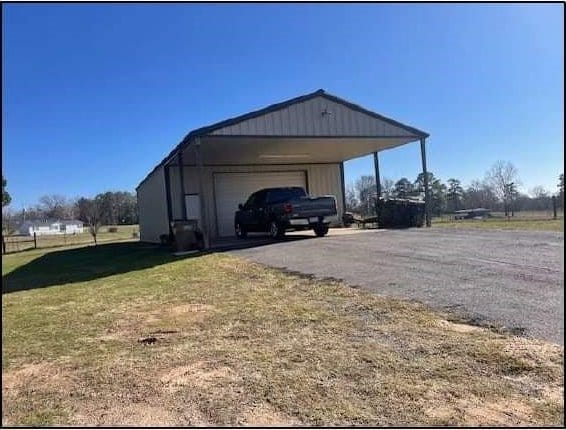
34,240
343,185
182,185
425,180
203,211
554,215
377,187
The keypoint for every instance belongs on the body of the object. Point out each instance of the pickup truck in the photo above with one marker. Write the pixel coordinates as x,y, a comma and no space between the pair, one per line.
276,210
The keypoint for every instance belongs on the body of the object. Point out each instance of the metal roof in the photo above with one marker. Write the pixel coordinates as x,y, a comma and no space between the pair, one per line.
203,131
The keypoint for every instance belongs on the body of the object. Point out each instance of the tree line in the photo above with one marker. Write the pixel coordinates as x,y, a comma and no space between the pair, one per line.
497,191
108,208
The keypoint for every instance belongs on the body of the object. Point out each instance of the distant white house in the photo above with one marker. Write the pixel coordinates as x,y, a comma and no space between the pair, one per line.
28,228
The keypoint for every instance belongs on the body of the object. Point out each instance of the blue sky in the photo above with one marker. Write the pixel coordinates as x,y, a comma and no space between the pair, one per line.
95,95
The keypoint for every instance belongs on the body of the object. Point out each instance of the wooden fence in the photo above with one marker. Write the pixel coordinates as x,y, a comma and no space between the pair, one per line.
23,243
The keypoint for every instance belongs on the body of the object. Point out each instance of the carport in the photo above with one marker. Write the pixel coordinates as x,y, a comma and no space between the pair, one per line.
303,141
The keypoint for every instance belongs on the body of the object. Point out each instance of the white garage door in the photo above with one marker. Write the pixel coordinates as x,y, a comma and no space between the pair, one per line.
230,189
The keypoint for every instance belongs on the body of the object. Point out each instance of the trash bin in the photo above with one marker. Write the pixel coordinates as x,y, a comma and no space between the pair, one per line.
186,236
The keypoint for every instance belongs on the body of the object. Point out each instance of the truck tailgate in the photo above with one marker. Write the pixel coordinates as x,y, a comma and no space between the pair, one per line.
314,206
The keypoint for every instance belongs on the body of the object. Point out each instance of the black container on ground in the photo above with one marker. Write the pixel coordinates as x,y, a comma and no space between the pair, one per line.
401,213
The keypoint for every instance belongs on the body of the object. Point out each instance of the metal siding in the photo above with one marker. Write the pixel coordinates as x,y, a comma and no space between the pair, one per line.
305,119
152,206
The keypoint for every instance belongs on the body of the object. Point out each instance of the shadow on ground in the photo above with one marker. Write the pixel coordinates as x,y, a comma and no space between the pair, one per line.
93,262
85,264
254,241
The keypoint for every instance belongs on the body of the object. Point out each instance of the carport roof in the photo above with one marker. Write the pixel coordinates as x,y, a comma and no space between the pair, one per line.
211,129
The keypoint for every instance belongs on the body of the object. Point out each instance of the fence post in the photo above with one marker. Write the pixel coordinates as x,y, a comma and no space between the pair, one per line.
554,207
34,240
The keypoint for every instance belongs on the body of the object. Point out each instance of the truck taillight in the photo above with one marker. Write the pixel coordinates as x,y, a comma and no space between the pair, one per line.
288,208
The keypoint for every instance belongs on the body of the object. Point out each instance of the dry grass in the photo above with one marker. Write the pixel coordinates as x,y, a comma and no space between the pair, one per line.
519,223
236,343
24,243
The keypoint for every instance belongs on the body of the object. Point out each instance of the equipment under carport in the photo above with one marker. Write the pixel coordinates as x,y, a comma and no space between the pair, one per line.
401,213
186,236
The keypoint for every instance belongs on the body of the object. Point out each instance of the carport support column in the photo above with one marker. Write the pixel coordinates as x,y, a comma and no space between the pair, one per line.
425,181
343,185
182,187
203,211
377,187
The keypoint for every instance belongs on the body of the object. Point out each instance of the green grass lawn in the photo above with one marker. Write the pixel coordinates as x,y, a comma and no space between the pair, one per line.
126,334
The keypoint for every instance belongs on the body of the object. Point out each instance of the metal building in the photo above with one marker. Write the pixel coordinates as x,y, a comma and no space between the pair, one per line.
303,141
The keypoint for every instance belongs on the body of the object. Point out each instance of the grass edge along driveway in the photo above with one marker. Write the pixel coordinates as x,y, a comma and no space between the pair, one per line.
125,334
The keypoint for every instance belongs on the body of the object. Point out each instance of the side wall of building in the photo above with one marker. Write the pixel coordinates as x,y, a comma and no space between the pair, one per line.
152,204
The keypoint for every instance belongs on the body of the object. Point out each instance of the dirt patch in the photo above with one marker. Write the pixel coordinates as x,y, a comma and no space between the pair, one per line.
200,374
553,393
473,412
142,415
459,328
263,415
504,412
162,320
33,376
191,308
532,346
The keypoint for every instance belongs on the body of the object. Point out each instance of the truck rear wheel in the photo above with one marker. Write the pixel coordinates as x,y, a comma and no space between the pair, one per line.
275,230
320,230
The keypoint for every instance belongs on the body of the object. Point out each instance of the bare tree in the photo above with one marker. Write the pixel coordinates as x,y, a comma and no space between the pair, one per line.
538,192
92,215
351,200
540,199
9,221
56,206
503,179
365,188
479,194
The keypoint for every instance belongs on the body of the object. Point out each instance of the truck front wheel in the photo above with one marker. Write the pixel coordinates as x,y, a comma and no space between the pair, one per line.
320,230
241,232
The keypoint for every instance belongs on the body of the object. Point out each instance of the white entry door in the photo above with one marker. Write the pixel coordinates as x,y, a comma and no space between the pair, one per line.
192,205
230,189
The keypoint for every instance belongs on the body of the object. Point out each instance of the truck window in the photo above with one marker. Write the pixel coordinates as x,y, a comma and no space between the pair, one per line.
260,198
251,201
284,194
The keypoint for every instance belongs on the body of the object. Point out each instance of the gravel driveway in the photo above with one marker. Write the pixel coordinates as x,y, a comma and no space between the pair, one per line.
514,279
